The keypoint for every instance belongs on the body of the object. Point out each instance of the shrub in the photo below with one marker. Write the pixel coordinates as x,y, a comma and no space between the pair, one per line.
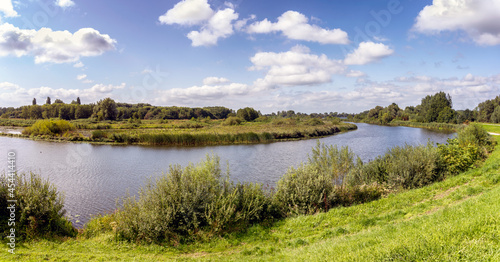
49,127
98,134
314,122
39,208
403,167
472,143
284,121
319,184
185,201
232,121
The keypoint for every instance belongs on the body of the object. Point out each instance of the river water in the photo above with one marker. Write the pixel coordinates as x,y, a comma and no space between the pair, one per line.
92,177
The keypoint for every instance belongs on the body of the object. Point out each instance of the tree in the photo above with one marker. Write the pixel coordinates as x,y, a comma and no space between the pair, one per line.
58,101
106,108
34,101
495,117
247,113
47,102
432,105
35,112
78,102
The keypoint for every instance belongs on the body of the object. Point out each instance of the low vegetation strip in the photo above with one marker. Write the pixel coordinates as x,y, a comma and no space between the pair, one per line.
185,132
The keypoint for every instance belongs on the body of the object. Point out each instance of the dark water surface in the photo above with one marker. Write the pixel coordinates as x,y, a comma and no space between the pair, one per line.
94,176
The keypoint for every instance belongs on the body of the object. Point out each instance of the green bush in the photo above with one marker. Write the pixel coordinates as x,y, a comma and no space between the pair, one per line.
39,209
98,134
49,127
403,167
186,201
320,184
232,121
472,143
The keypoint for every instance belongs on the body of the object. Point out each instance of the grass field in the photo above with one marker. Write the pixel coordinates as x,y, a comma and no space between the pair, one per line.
453,220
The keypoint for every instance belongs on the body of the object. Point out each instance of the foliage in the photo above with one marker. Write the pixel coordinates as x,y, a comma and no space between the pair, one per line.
232,121
106,109
319,184
404,167
247,113
184,201
49,127
39,208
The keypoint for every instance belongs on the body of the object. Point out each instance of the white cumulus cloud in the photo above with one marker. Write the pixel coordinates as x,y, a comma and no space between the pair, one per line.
213,25
218,26
294,25
479,19
7,8
295,68
49,46
367,52
188,12
65,3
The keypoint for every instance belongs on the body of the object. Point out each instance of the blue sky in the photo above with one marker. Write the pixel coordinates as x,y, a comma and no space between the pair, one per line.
308,56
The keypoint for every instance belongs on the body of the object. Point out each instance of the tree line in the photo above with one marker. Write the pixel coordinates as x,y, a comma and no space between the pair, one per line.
436,108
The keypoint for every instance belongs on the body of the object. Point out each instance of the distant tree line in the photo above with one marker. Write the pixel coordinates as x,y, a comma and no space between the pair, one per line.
108,109
433,108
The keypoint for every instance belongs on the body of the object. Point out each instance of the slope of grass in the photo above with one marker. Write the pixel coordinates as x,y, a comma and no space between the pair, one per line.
494,128
453,220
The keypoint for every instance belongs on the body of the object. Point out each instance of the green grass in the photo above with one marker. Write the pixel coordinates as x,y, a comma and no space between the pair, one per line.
494,128
453,220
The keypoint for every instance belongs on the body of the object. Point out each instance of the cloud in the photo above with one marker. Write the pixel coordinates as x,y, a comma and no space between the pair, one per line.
294,25
78,65
368,52
18,95
215,80
65,3
7,8
479,19
81,77
218,26
196,95
296,67
213,25
49,46
188,12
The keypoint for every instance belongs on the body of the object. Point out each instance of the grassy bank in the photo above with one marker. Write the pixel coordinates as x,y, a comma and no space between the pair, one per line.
432,126
455,219
183,132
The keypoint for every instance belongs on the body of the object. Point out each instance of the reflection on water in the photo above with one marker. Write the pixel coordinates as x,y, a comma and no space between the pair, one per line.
94,176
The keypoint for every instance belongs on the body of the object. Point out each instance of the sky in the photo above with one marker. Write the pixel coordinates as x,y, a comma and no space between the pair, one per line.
307,56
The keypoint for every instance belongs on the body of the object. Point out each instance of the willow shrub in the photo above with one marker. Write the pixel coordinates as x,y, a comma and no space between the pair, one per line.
49,127
318,185
402,167
183,202
39,211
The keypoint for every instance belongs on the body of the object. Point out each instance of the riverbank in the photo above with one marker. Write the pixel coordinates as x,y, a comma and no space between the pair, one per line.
449,220
430,126
193,133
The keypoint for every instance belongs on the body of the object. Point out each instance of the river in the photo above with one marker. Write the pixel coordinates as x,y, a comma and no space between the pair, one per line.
92,177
